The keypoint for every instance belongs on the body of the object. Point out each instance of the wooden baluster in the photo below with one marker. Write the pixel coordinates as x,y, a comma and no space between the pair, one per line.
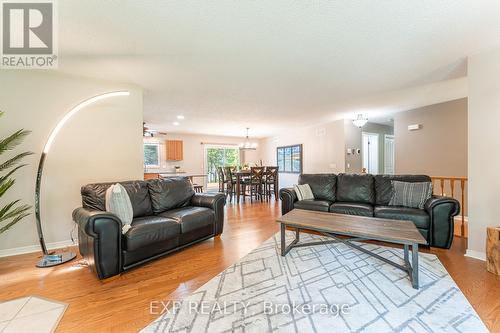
442,186
452,187
462,204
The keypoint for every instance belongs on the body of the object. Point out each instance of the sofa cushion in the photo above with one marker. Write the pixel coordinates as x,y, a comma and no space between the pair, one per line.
118,203
170,193
412,195
314,204
148,230
303,192
94,196
383,186
191,218
355,188
323,186
417,216
352,208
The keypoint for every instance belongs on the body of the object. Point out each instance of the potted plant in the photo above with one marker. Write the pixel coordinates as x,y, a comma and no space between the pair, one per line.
13,212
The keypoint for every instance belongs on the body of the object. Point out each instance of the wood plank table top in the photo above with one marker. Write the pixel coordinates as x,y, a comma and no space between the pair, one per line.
395,231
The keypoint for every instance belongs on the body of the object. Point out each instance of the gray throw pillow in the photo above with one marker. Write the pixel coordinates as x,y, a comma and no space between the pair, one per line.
118,203
303,192
413,195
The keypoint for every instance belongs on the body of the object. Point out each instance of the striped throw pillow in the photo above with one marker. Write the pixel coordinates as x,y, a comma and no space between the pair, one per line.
304,192
118,202
413,195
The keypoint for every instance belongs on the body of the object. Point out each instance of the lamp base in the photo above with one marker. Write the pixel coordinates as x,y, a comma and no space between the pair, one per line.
50,260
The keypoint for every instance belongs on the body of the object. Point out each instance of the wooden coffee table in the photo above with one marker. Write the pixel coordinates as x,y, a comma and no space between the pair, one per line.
357,228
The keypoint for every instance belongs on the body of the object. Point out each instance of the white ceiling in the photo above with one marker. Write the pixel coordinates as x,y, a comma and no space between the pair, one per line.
273,65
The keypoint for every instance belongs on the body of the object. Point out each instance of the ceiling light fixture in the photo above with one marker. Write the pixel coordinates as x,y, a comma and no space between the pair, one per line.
180,117
360,121
176,123
247,145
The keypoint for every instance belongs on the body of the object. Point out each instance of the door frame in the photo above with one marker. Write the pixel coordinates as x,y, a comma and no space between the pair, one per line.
391,136
363,153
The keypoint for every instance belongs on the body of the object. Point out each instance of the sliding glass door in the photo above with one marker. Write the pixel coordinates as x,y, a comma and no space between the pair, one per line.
219,156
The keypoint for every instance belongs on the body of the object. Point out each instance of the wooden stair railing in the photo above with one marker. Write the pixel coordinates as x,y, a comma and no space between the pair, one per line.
442,182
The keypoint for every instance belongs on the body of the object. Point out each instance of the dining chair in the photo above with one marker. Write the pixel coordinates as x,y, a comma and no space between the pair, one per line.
255,182
230,182
271,182
221,179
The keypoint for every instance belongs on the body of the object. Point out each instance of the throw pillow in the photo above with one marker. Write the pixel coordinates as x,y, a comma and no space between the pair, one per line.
304,192
413,195
118,203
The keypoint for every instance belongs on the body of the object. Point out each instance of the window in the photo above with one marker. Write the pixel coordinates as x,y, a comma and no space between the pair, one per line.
289,159
220,156
152,155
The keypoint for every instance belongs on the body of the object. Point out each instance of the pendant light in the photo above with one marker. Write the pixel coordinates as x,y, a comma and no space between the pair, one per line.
247,145
360,121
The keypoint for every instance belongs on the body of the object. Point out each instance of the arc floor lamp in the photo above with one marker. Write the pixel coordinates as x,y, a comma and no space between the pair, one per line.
53,259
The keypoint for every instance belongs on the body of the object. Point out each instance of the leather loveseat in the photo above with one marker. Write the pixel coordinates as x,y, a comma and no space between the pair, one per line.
168,216
369,195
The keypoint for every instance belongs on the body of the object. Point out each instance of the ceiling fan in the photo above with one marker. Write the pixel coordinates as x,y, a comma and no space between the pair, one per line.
149,132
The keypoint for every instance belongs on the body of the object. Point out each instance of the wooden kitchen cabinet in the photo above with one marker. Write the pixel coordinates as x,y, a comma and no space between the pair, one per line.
174,150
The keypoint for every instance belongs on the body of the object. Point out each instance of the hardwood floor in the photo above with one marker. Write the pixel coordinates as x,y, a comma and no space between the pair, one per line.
122,304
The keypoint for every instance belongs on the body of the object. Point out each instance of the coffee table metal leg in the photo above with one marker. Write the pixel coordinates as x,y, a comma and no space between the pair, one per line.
283,247
406,250
414,265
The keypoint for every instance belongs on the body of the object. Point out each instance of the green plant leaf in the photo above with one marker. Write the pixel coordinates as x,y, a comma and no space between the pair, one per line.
6,185
5,209
14,221
13,161
13,140
4,178
13,213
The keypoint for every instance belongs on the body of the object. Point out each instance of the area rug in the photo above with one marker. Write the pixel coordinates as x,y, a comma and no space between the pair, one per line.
326,288
30,314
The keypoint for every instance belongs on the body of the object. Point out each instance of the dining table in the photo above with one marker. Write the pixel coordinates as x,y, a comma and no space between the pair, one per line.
240,174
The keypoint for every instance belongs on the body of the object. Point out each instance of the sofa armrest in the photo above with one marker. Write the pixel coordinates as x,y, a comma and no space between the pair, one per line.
288,198
99,240
442,211
215,202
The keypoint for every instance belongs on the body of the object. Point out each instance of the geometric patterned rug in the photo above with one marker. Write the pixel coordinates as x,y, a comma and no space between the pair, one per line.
326,288
30,314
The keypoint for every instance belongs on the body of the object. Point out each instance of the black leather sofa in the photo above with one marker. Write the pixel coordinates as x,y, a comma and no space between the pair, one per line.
369,195
168,216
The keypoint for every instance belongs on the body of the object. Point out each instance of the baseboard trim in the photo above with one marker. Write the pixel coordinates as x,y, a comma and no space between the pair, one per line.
35,248
475,254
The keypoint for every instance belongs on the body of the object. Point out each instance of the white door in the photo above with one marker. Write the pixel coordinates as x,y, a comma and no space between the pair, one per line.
389,155
370,153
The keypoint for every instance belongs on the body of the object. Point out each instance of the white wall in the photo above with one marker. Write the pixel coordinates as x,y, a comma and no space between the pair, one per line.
323,149
101,143
484,147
